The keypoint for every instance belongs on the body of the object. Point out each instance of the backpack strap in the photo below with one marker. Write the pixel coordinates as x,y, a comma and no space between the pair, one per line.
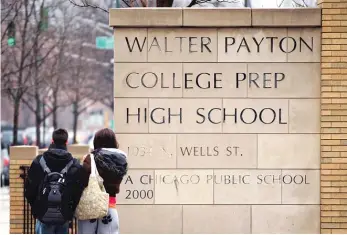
67,167
44,165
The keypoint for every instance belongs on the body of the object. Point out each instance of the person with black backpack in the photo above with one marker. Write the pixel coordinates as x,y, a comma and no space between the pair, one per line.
54,186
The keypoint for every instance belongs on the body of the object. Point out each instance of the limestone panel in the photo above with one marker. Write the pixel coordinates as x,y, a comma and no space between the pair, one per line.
214,80
309,45
182,45
130,45
137,188
148,80
289,151
180,115
183,187
216,219
41,151
78,150
255,116
23,152
216,151
217,17
252,45
131,115
149,151
303,189
247,187
304,116
164,17
283,80
286,219
150,219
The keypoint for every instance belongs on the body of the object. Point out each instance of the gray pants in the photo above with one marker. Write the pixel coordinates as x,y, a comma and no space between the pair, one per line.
107,225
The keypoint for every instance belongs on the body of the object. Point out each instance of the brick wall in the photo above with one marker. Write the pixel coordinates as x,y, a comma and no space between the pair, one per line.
334,117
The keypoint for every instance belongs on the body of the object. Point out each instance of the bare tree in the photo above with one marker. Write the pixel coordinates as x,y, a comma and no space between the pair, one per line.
215,3
106,96
104,5
58,65
44,43
20,62
86,3
82,86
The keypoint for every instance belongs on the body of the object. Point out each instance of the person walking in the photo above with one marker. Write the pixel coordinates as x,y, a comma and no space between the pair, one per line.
54,186
111,164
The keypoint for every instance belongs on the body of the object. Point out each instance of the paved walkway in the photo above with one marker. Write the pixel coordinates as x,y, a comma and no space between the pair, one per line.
4,210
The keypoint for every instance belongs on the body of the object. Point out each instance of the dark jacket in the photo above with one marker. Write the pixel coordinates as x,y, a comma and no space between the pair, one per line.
57,157
112,167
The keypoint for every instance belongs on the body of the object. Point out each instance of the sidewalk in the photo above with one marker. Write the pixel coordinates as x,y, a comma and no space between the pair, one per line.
4,210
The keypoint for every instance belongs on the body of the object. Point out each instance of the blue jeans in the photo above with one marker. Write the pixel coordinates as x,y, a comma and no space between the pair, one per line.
51,229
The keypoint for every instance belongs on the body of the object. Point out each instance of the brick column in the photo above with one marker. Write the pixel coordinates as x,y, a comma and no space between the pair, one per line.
20,156
334,117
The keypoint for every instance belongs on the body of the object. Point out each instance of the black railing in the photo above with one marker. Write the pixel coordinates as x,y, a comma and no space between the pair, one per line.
29,221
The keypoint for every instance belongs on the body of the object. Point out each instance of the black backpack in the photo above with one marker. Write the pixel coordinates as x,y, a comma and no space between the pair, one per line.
51,194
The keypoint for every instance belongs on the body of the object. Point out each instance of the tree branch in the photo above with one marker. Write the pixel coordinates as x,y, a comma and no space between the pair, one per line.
86,4
31,108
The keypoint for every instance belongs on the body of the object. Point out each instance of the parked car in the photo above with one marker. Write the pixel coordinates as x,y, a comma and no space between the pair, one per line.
7,138
5,176
5,167
82,137
6,126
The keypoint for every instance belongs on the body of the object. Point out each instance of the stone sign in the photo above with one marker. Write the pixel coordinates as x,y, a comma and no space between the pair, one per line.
221,127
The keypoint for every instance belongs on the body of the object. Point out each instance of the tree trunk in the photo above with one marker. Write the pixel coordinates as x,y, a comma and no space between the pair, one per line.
38,117
44,123
75,121
55,121
15,120
54,111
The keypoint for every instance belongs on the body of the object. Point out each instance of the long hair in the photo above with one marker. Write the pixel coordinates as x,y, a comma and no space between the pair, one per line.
105,138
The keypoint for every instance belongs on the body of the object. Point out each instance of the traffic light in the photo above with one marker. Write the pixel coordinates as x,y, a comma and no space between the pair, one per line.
11,41
43,18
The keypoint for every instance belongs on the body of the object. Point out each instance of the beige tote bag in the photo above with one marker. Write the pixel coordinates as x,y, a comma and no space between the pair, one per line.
94,201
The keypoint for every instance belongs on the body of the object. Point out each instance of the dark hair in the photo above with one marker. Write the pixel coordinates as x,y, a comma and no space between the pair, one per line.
60,137
105,138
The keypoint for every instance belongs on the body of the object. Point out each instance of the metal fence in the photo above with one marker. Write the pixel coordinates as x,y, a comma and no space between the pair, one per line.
29,221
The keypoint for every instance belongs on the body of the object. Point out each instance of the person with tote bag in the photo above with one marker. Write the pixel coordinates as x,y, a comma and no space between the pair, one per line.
105,167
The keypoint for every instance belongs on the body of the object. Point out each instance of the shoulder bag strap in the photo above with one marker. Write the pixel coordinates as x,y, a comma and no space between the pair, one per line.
93,170
94,173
